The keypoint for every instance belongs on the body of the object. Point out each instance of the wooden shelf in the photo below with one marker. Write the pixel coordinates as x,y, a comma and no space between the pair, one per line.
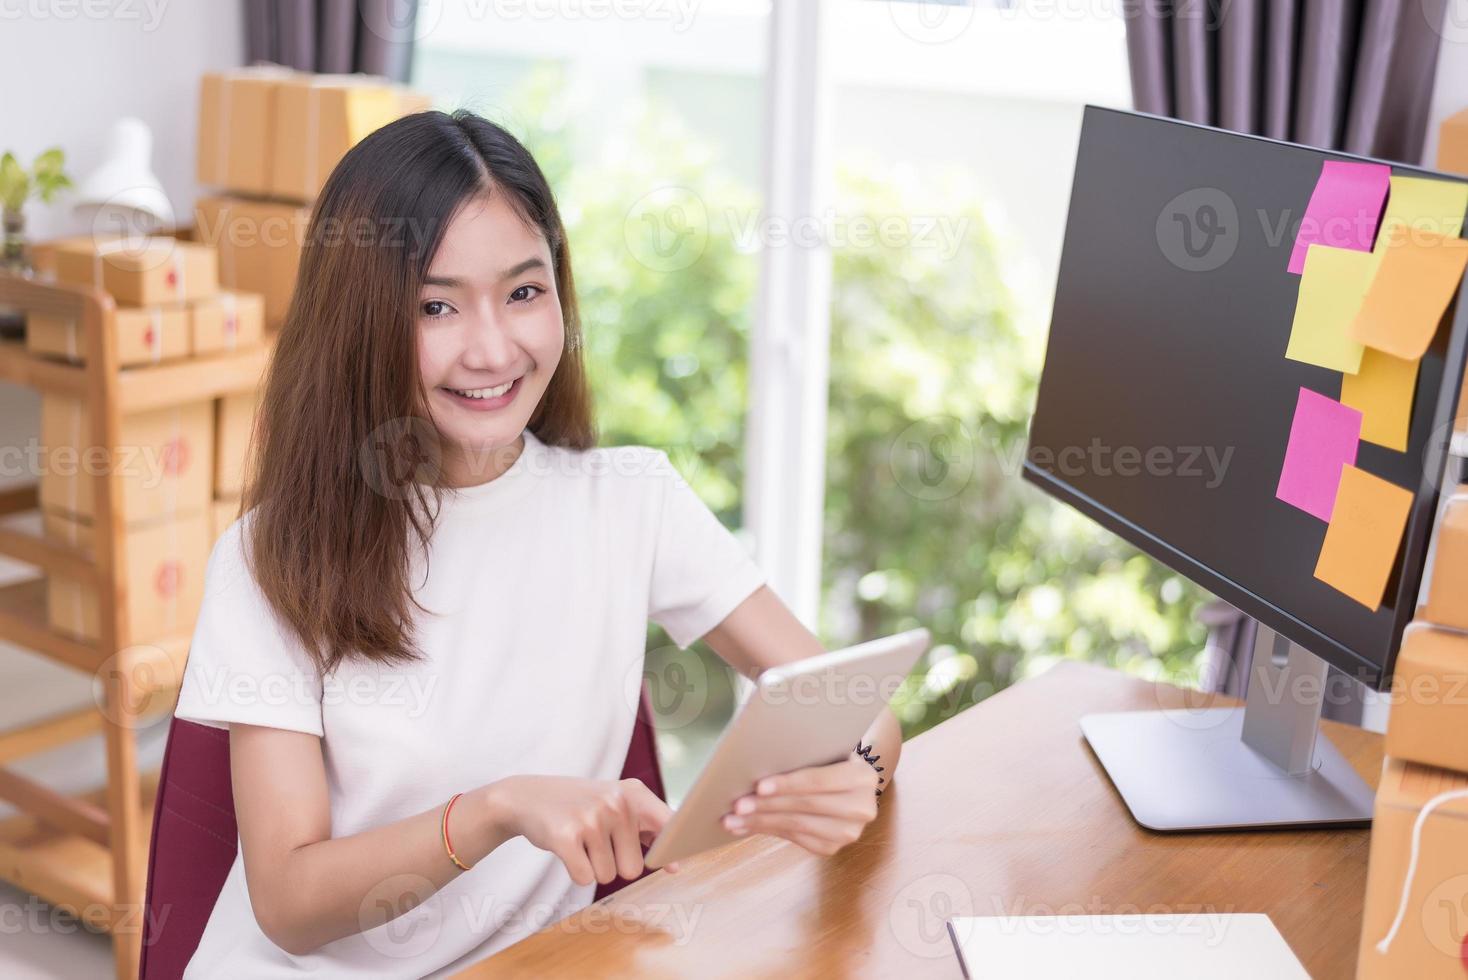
156,664
48,733
92,859
68,870
19,366
34,548
23,622
139,388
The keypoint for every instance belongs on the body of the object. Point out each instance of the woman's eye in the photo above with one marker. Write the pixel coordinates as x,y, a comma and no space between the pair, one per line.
522,295
435,308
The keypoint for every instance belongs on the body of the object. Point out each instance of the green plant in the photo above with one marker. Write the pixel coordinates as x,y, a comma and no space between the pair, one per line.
44,180
932,379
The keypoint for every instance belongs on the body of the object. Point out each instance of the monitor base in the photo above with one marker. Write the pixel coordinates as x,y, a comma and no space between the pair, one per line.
1260,766
1184,770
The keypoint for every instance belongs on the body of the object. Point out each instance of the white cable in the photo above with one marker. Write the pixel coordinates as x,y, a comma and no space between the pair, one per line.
1432,804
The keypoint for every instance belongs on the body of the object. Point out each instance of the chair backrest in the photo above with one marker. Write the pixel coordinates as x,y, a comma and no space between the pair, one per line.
195,837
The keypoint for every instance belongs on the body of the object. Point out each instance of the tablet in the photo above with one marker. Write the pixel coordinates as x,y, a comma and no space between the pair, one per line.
808,712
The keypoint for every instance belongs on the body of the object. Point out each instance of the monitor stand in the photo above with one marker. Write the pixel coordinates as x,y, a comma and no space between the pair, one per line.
1261,766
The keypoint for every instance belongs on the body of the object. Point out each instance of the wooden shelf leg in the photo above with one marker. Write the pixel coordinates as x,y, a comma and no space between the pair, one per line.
124,802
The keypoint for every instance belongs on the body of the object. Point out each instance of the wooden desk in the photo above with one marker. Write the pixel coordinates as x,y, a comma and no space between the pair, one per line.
1001,810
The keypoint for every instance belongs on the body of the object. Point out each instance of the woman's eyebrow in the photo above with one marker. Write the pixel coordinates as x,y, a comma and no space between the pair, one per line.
534,262
455,282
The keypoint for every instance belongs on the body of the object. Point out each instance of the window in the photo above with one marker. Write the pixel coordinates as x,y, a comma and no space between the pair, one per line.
815,247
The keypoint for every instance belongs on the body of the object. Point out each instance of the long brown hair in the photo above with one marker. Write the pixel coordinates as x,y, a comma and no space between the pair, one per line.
343,476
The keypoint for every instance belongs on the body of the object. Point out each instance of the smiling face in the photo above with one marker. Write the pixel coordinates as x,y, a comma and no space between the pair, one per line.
490,335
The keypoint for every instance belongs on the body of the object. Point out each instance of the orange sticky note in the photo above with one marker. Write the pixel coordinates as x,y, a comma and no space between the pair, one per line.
1382,391
1419,275
1364,535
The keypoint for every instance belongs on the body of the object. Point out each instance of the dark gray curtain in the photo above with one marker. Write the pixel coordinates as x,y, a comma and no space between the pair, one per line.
333,36
1350,75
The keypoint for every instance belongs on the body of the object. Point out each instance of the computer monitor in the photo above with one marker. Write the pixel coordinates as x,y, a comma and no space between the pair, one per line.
1164,409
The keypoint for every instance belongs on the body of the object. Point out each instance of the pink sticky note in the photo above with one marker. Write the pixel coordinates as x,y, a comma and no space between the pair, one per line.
1323,440
1343,209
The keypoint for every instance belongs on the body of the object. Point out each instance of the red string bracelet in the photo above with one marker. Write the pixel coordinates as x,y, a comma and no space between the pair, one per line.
445,828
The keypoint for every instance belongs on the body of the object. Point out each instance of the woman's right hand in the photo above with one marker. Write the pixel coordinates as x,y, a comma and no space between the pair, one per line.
596,827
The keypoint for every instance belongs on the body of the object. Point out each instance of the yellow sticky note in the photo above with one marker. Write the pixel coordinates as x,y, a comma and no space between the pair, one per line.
1332,288
1382,391
1418,276
1424,204
1364,536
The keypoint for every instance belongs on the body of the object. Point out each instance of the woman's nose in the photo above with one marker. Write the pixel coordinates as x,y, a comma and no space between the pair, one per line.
488,346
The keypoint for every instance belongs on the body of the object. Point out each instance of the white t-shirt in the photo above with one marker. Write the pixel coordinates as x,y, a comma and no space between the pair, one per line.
543,580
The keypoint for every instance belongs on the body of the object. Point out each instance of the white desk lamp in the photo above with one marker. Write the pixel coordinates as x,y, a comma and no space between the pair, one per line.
123,193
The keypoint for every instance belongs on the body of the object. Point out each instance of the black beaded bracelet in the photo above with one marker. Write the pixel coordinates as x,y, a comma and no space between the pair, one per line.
865,751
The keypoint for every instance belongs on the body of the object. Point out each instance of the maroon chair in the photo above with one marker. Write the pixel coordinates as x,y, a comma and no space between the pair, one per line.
193,819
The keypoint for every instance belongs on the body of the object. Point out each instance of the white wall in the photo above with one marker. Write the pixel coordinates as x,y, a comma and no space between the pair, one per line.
1450,94
68,76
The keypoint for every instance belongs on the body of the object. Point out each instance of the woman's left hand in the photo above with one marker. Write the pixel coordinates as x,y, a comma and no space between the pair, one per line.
821,808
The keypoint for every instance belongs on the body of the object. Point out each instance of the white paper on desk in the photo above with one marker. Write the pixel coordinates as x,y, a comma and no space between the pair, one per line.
1200,946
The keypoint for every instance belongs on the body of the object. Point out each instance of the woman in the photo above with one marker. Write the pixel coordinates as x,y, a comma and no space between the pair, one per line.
425,634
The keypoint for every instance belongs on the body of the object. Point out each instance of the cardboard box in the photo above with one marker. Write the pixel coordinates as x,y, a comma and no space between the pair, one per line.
164,460
226,322
259,245
1429,703
1429,941
410,101
1447,584
222,514
43,254
1452,144
165,562
141,272
235,415
236,126
318,118
145,335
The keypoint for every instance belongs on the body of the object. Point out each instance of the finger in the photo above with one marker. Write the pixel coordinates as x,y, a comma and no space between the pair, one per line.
858,805
814,779
788,824
650,811
573,856
599,853
627,847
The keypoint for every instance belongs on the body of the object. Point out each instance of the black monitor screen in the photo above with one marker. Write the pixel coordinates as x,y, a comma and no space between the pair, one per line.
1166,399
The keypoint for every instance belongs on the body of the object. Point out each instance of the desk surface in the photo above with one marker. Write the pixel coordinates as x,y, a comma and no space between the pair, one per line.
1001,810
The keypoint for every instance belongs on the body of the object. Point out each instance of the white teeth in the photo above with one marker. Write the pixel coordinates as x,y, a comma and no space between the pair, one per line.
483,392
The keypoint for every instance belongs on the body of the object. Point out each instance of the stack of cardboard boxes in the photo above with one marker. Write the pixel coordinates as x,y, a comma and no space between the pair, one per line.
1452,157
169,306
268,138
233,419
1416,921
168,297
